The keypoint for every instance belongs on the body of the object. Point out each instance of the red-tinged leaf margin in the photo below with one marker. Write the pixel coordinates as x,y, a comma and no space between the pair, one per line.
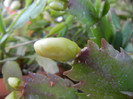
102,70
49,86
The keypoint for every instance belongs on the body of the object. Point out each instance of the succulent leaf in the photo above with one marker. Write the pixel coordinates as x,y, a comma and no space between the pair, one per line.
49,86
103,72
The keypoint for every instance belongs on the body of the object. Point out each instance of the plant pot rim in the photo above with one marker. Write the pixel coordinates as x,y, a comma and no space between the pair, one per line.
3,91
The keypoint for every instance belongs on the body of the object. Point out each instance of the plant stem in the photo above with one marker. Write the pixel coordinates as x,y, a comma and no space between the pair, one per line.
22,44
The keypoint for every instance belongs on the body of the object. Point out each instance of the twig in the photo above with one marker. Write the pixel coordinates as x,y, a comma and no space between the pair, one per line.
21,44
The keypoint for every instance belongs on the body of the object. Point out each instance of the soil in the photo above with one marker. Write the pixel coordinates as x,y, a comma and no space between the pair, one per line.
1,76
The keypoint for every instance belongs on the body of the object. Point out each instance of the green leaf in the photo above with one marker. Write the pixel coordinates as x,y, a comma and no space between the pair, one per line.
49,86
69,19
28,2
59,27
2,24
30,13
102,7
115,19
21,50
118,40
11,69
3,39
97,34
38,25
103,72
129,48
84,10
54,13
82,96
63,33
8,59
48,65
98,7
106,8
127,33
103,29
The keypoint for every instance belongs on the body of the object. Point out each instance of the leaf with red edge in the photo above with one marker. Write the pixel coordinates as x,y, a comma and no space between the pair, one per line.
48,86
103,72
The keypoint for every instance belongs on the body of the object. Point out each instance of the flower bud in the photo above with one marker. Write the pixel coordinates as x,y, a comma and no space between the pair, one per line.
60,49
15,5
14,82
58,5
7,3
14,95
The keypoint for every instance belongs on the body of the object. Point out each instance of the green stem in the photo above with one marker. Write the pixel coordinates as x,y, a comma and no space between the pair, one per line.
1,55
1,36
2,24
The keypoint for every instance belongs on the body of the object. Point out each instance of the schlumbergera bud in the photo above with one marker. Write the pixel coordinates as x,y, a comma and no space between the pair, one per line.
7,3
15,5
14,95
60,49
58,5
14,82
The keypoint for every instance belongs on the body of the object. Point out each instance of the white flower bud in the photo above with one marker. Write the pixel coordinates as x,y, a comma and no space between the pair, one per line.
14,95
14,82
60,49
7,3
15,5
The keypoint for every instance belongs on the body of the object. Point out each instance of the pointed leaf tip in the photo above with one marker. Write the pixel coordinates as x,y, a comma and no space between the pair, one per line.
104,43
123,56
104,71
130,94
46,86
92,45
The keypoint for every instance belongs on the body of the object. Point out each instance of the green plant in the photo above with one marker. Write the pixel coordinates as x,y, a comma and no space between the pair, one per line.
54,48
102,73
93,70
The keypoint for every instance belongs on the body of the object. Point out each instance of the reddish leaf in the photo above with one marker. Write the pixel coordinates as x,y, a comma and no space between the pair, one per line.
49,86
103,72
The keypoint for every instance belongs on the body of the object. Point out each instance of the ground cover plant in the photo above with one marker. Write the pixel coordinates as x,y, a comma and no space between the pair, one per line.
67,49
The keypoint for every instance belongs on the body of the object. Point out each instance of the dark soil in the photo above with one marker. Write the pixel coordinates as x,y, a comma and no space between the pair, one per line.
1,76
